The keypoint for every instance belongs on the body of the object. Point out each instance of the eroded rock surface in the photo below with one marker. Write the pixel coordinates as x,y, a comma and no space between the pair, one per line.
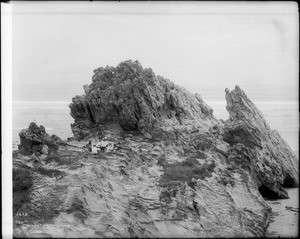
175,172
33,139
137,99
132,193
273,162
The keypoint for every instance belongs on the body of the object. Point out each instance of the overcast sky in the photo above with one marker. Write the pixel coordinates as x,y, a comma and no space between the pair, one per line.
204,47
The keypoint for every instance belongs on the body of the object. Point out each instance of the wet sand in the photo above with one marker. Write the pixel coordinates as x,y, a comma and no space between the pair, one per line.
284,218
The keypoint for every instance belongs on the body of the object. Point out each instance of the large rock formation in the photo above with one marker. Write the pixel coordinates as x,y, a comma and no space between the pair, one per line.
146,188
176,171
273,162
33,139
137,99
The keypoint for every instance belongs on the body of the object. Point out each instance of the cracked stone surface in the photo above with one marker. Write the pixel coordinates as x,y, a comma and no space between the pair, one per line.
137,99
176,170
274,163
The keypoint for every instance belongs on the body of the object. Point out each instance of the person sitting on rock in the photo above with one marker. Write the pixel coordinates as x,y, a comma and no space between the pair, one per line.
88,146
102,149
94,149
110,147
103,144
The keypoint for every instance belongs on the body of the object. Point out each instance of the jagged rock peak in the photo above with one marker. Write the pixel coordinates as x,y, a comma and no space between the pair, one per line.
276,165
239,106
137,99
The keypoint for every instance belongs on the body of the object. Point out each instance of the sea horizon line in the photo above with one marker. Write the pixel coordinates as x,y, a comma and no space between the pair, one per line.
206,101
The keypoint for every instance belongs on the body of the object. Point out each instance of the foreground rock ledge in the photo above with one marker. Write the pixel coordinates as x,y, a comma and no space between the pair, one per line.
176,171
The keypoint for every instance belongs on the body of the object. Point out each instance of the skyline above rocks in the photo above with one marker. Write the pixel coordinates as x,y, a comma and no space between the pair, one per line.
202,52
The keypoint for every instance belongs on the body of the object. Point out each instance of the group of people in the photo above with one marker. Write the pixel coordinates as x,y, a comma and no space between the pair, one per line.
101,146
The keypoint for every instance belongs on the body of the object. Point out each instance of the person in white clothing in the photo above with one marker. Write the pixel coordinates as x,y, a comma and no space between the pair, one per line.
94,149
102,144
110,147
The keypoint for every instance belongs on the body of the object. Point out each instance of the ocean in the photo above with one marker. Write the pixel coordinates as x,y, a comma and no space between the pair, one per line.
55,116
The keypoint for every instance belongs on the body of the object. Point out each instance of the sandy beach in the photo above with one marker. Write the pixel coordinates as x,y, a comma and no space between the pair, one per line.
285,216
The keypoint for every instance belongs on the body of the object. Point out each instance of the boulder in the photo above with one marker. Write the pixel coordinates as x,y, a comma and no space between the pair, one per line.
33,139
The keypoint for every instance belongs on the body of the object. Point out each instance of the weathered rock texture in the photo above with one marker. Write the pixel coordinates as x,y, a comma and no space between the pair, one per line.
176,172
33,139
137,99
146,188
272,161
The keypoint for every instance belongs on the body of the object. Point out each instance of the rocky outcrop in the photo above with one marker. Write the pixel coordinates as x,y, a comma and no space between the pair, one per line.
137,99
33,140
131,193
176,171
273,163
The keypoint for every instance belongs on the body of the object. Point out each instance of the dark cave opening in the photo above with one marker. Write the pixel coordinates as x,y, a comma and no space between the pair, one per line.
289,182
267,193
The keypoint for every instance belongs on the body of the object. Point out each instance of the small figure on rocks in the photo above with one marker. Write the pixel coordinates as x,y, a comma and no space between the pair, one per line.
103,144
91,147
95,149
88,147
110,147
